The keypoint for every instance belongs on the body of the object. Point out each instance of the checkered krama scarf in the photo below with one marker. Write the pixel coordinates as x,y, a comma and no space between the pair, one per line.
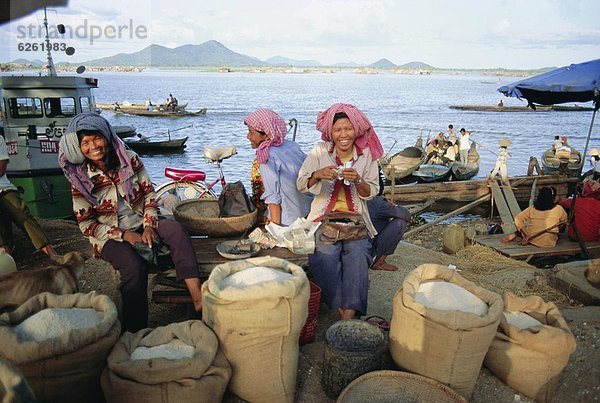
269,122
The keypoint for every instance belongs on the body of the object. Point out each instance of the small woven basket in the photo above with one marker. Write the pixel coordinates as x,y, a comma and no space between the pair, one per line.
397,386
307,335
202,216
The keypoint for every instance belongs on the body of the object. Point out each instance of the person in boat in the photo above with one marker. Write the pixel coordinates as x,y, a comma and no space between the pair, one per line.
433,151
14,210
116,106
450,153
341,267
500,104
585,224
279,161
149,105
464,145
452,135
595,162
564,151
557,143
500,166
114,205
539,224
390,220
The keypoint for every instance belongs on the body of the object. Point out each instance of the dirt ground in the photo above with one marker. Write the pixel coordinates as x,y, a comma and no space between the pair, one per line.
579,382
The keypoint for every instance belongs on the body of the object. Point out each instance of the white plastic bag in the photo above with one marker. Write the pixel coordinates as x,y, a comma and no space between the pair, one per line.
299,237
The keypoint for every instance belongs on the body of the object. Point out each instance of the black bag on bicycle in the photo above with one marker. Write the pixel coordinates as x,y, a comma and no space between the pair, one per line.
234,201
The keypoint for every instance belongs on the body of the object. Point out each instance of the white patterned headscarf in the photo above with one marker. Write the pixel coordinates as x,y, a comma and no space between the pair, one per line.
71,159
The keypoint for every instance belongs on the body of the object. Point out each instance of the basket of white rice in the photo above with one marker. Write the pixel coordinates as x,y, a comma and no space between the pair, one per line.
60,344
397,387
532,346
177,363
257,308
442,326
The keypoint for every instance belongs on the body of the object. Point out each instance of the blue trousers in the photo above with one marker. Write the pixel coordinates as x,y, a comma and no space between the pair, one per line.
390,221
342,271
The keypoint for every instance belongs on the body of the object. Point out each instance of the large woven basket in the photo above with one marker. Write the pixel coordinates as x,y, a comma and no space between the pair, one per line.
397,386
202,216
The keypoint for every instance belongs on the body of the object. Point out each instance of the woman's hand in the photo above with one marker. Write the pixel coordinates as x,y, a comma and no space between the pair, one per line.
149,236
329,172
351,175
132,237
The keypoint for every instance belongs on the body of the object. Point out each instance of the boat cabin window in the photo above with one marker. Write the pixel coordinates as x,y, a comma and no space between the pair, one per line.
59,107
86,104
25,107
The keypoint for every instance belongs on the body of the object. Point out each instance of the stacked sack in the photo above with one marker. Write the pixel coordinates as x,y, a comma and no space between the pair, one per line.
13,386
67,366
257,308
180,362
532,346
442,326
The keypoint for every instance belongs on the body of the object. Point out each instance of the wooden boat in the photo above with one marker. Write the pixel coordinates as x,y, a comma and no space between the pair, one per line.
571,108
538,108
432,173
125,131
160,146
460,171
156,112
405,162
111,107
570,165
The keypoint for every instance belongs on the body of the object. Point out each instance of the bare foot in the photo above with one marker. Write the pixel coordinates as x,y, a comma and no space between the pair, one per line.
383,266
193,285
346,313
508,238
49,250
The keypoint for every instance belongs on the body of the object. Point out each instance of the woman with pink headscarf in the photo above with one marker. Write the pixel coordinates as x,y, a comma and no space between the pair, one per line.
341,172
279,161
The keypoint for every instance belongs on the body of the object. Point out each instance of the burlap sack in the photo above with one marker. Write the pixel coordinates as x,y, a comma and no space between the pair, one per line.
448,346
13,385
531,360
202,378
65,368
454,239
258,328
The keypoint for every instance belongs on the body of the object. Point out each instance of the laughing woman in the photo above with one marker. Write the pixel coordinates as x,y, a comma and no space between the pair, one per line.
341,172
114,204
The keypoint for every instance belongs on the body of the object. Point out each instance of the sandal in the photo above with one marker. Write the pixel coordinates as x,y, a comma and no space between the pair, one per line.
379,322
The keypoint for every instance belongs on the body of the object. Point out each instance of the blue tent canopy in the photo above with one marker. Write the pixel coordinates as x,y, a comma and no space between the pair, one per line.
574,83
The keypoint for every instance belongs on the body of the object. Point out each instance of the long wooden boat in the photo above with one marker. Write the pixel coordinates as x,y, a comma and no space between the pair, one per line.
125,131
160,146
460,171
433,173
470,190
405,162
156,112
571,165
538,108
111,107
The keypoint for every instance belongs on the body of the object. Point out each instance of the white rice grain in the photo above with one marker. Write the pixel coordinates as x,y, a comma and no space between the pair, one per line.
255,275
173,350
521,319
447,296
54,322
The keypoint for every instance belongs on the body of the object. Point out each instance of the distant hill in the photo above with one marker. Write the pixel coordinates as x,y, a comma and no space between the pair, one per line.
285,61
210,53
416,65
35,62
382,64
346,64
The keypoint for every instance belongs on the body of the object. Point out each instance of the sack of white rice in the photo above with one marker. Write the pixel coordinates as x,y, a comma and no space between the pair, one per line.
60,344
180,362
532,346
257,316
454,239
13,385
442,326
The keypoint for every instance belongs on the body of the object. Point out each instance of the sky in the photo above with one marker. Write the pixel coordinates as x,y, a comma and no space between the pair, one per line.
515,34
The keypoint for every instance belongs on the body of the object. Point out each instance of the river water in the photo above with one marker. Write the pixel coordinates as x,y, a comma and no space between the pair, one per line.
400,107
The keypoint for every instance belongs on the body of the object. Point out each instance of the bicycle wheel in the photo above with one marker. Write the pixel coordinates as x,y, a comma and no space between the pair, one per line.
169,194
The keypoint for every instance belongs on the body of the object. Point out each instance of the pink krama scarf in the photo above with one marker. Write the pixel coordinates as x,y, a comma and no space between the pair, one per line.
365,135
269,122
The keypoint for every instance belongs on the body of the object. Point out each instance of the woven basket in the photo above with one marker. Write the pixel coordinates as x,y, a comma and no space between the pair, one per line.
202,216
310,327
397,386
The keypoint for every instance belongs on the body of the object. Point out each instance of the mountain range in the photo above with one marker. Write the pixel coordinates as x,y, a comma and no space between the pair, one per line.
213,54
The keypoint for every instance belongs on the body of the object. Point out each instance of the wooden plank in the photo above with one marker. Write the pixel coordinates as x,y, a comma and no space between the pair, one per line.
516,251
513,205
508,224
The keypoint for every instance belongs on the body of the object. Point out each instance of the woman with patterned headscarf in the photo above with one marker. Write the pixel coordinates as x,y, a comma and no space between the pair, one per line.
279,161
341,172
114,204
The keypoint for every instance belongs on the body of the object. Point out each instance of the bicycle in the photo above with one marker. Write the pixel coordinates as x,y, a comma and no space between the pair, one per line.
188,184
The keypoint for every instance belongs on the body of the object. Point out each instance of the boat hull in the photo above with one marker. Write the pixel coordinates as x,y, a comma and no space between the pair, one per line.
46,192
432,173
571,166
157,146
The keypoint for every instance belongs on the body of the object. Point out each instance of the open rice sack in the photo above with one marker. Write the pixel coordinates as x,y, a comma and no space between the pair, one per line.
13,385
67,366
180,362
257,314
532,346
442,338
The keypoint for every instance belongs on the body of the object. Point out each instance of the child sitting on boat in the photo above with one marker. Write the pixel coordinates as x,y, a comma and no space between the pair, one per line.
503,154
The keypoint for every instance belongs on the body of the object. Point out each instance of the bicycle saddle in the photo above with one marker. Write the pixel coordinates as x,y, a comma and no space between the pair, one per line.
191,175
218,154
